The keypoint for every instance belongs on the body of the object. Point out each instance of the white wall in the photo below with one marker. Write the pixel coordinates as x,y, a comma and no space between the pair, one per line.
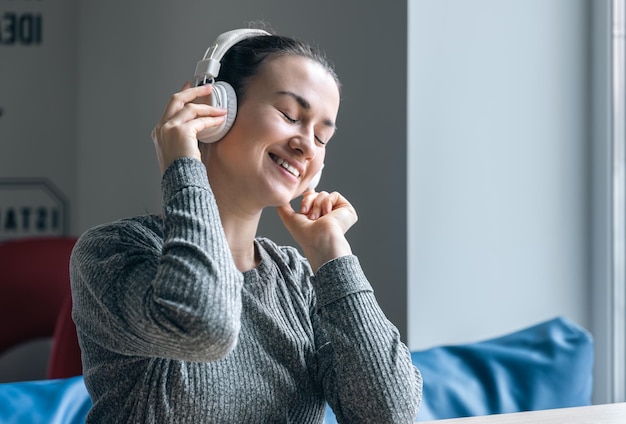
498,168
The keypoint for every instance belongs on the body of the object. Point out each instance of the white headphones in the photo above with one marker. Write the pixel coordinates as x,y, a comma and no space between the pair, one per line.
223,94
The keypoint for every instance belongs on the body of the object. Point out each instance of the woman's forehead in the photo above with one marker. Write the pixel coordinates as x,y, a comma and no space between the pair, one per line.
301,75
289,67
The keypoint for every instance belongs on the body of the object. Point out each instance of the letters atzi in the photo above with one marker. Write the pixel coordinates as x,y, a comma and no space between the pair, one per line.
29,220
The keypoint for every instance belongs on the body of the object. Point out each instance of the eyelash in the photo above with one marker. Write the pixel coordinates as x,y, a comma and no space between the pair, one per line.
295,121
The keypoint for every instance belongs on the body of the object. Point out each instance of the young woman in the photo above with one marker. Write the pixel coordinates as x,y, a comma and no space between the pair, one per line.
189,317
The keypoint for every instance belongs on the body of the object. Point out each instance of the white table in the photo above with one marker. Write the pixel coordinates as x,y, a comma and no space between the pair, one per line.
614,413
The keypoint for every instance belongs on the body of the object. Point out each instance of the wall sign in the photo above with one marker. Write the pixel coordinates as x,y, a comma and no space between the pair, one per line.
19,26
37,67
31,208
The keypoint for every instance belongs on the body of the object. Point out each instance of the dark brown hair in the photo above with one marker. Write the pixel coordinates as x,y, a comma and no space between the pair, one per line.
243,60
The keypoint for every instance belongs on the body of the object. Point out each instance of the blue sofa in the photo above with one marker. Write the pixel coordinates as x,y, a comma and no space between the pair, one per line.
545,366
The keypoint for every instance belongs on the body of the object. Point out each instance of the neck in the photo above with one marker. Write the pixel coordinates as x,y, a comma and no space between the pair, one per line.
240,216
240,229
241,243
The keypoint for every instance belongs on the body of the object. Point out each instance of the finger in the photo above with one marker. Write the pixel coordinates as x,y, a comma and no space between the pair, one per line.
180,99
193,111
188,130
307,200
316,208
196,116
329,203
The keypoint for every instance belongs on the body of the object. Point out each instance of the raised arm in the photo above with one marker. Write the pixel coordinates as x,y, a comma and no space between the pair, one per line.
364,367
170,290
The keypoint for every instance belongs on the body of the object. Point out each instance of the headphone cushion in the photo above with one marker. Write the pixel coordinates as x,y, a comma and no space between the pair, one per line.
223,96
316,179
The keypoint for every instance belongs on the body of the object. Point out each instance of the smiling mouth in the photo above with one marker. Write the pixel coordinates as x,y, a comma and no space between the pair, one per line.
286,165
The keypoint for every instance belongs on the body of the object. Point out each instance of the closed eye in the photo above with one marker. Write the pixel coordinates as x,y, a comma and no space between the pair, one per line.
289,118
295,121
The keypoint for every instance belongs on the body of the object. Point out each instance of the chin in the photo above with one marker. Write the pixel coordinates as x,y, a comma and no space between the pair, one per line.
273,199
282,198
281,194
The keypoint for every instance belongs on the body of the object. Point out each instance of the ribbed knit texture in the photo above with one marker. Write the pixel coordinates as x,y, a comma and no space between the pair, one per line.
172,332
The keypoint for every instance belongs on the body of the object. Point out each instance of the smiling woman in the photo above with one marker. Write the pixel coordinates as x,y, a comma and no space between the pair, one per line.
286,115
189,316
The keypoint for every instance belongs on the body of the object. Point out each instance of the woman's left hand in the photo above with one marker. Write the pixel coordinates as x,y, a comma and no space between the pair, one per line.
320,226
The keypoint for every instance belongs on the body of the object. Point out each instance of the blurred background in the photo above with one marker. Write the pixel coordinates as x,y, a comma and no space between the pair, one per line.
474,141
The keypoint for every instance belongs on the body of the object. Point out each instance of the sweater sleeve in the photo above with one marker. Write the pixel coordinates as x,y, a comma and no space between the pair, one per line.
174,295
366,370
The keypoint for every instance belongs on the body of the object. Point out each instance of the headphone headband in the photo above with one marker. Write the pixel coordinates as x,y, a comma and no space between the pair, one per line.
223,95
209,67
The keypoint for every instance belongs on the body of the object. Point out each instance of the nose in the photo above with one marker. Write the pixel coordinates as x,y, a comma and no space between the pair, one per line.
304,142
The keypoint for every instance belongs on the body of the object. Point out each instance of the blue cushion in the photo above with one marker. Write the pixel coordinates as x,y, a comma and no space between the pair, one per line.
62,401
545,366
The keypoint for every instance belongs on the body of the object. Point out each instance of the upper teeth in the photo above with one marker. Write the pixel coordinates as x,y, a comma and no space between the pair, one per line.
286,165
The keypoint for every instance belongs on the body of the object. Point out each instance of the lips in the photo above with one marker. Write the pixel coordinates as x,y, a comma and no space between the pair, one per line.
286,165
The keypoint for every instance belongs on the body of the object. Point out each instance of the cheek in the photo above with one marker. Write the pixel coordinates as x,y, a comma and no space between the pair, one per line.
320,156
265,127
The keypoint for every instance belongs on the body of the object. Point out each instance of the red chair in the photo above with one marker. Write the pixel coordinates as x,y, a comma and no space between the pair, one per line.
35,299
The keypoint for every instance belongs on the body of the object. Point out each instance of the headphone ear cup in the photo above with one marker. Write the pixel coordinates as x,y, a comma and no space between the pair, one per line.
223,96
316,179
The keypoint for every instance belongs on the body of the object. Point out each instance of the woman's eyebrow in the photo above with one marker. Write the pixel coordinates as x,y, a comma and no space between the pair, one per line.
305,104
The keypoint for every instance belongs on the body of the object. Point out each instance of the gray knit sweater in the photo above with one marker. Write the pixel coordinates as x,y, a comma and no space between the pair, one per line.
172,332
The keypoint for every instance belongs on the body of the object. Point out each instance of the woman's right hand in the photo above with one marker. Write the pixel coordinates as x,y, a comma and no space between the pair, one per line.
186,114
